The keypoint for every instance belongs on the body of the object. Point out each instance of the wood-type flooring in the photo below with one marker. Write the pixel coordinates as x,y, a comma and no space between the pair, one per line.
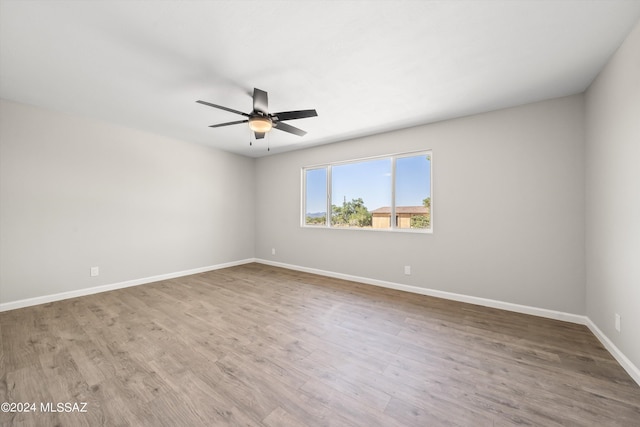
256,345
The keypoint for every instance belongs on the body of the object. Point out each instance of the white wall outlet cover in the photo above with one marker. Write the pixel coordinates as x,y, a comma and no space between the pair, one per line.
407,270
95,271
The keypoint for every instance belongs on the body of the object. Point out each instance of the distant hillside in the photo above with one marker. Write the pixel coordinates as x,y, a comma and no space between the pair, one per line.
316,214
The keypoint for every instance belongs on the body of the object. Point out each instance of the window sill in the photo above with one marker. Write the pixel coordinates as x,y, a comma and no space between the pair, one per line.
372,230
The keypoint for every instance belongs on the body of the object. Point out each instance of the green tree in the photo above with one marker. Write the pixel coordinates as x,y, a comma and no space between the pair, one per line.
319,220
353,213
423,221
420,221
337,218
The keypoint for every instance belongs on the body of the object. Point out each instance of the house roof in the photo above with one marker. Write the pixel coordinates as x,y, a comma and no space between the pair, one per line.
420,210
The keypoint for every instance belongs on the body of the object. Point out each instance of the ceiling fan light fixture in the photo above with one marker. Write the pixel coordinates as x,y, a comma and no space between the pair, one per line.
260,124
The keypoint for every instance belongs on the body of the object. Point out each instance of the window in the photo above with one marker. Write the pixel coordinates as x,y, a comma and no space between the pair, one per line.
383,193
316,196
413,192
357,187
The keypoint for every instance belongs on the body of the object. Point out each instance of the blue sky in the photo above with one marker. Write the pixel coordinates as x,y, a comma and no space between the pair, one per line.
413,180
316,190
371,180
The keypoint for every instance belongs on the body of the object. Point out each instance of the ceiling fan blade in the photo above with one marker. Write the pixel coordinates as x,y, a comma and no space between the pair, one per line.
292,115
223,108
230,123
259,135
260,100
288,128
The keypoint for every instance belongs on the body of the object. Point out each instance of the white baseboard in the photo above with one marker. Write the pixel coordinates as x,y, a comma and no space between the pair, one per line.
633,370
628,366
541,312
104,288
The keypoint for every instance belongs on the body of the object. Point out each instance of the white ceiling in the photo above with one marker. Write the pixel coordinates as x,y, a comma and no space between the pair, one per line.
366,66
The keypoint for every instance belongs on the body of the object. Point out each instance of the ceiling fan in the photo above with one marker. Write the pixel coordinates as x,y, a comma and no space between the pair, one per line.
261,121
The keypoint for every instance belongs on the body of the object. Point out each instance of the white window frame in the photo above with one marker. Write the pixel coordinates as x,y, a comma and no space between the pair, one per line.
392,228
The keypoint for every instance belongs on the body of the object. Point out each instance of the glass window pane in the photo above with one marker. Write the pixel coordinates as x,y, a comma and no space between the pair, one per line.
316,196
413,192
358,191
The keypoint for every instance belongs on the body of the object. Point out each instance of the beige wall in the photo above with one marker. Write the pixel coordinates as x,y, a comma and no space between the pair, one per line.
76,193
380,221
403,220
613,198
508,209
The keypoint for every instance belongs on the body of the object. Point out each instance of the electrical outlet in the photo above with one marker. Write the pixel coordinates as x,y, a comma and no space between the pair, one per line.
95,271
273,251
407,270
617,322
